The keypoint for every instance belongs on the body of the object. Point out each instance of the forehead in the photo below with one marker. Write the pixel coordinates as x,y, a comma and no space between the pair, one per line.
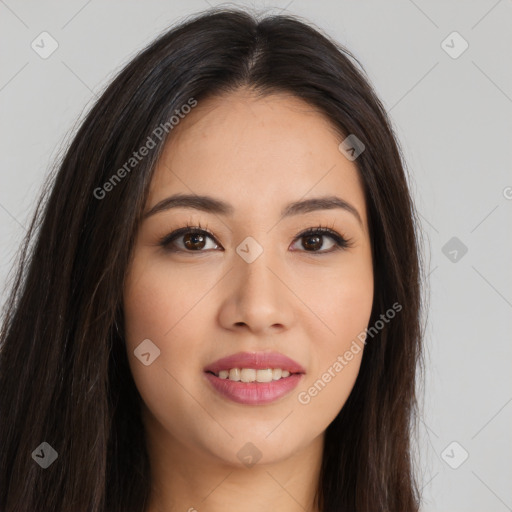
257,153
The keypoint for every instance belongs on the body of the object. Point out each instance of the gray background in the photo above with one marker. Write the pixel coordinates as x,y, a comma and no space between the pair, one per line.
453,117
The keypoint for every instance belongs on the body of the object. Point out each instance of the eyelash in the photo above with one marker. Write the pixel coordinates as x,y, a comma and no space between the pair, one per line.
340,241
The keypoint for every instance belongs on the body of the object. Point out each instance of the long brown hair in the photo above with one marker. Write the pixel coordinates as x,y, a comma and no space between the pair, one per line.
64,373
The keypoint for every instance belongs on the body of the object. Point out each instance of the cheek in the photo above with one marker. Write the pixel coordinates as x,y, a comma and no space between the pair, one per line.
159,306
151,307
342,299
335,365
158,299
165,303
347,311
343,302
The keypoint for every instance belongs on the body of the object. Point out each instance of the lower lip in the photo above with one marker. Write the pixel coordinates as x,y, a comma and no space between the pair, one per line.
254,393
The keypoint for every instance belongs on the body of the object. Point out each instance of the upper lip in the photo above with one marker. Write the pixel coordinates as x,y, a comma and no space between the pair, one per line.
256,360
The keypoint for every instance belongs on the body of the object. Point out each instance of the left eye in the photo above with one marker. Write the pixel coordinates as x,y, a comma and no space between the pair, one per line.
313,241
195,240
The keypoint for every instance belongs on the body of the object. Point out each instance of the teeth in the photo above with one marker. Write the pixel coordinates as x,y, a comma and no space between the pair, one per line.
253,375
248,375
234,374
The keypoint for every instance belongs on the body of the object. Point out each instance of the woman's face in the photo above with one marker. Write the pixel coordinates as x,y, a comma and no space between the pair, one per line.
254,285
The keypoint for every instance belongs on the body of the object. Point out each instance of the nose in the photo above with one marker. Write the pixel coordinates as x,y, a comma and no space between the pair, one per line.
258,298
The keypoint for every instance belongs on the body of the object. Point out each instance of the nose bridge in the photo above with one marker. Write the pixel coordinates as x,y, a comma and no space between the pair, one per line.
259,295
255,277
254,255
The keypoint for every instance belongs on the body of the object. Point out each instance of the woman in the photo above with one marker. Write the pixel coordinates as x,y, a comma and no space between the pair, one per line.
218,300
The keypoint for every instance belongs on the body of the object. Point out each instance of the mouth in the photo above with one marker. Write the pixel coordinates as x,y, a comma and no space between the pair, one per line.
253,374
254,378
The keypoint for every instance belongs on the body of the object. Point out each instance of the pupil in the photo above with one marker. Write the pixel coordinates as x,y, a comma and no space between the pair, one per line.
315,245
192,239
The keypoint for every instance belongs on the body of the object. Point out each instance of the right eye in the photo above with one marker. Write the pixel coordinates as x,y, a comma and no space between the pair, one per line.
187,239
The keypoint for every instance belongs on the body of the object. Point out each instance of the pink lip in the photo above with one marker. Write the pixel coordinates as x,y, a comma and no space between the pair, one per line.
254,393
257,360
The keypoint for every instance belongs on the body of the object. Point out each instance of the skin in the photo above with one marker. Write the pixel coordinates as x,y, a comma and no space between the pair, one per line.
258,154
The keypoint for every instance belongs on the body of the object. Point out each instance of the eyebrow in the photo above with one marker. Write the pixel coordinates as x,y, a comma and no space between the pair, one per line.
211,205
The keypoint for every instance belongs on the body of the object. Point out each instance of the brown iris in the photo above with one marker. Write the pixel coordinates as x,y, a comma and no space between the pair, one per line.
317,244
194,241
